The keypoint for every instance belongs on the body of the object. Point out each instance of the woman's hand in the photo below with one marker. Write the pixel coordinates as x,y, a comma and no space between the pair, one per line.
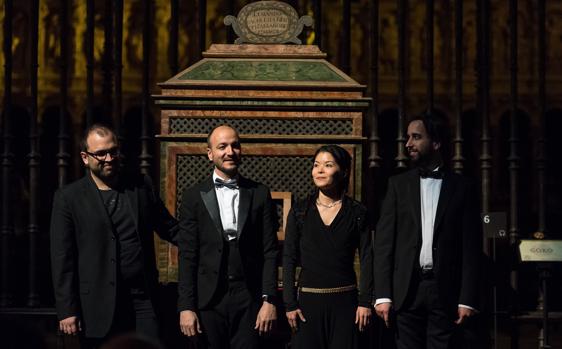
362,317
293,318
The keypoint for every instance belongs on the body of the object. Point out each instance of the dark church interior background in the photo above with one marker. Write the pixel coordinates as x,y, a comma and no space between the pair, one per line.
492,67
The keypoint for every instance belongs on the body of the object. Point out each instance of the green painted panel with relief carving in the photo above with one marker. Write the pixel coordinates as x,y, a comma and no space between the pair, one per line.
263,71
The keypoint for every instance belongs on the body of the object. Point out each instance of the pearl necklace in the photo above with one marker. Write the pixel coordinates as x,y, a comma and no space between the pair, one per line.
330,205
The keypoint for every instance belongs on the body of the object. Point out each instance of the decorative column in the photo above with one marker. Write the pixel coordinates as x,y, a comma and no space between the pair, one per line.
107,66
63,137
483,90
7,229
400,139
374,157
541,165
458,159
514,158
202,4
89,62
174,34
345,42
118,62
429,9
318,23
145,157
34,162
229,11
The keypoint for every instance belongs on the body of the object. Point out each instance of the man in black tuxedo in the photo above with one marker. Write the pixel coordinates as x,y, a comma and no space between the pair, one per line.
428,244
227,252
102,246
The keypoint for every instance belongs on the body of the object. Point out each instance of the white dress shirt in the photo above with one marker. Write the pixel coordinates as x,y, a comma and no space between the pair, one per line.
429,198
228,200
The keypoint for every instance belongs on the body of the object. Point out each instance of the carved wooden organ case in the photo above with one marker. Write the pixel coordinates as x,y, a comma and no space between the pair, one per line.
285,101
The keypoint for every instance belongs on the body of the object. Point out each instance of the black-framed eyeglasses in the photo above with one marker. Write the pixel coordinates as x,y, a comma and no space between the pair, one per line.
101,155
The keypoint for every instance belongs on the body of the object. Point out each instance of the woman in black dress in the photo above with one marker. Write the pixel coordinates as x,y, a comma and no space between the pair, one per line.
323,232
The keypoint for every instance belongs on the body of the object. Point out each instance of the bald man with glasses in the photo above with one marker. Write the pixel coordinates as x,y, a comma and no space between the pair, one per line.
102,246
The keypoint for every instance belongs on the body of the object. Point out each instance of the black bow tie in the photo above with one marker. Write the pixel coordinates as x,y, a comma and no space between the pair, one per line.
425,173
232,184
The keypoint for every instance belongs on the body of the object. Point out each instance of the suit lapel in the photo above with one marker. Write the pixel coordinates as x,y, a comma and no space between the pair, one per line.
209,198
243,204
414,193
444,197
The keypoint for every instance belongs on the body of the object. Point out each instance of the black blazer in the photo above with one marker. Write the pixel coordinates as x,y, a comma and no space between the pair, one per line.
201,242
84,253
457,241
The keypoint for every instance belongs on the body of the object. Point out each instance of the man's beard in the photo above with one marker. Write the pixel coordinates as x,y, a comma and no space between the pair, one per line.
232,171
104,175
423,159
229,171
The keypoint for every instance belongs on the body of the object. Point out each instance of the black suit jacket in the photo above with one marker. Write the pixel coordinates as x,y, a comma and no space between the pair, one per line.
457,241
84,248
201,242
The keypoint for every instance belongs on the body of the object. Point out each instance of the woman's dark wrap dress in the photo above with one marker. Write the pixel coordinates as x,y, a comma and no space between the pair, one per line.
326,255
